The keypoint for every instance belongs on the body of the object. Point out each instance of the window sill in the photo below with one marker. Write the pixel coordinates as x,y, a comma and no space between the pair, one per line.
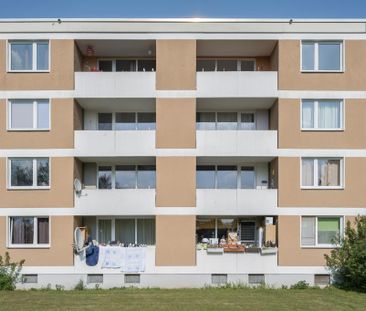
320,247
28,71
321,130
322,71
33,246
29,130
322,188
29,188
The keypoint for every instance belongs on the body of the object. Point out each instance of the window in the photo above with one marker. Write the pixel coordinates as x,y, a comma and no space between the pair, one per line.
215,227
205,177
132,278
256,279
126,121
321,231
247,231
110,65
104,121
29,56
247,176
206,65
127,231
225,65
206,121
29,173
247,121
321,56
225,121
29,231
30,278
321,279
25,114
322,114
94,279
127,177
219,278
321,173
227,177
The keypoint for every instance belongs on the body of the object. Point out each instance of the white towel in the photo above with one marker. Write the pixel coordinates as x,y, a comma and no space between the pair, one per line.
134,259
113,257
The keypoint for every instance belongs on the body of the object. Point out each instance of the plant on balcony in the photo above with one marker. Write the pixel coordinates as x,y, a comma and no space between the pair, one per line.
348,261
9,272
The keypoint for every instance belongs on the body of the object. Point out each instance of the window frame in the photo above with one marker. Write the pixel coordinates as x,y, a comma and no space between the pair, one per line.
317,245
316,127
316,56
136,113
34,56
34,186
238,118
114,62
238,63
34,102
9,232
315,176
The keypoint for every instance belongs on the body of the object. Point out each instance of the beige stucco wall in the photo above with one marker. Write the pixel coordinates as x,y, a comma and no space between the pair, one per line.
176,64
60,77
175,181
66,115
175,123
352,137
289,251
290,77
61,193
290,194
60,252
175,240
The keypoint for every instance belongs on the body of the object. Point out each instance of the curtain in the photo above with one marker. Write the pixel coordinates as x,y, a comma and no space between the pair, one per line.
329,114
43,231
146,231
125,230
307,172
227,120
328,172
104,230
21,114
328,230
307,114
22,230
206,121
308,231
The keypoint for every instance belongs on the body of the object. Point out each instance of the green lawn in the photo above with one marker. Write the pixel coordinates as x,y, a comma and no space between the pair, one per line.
184,299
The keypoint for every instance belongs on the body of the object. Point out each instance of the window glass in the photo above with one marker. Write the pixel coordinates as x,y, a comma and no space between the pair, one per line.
328,172
329,56
126,65
125,231
105,65
146,65
146,121
43,230
224,226
205,177
42,56
308,231
307,172
227,65
247,177
43,114
247,121
21,172
125,121
22,230
307,114
104,231
21,56
247,231
308,61
227,120
146,231
125,177
43,172
205,121
226,177
205,65
205,228
247,65
105,121
328,230
329,113
21,114
146,176
105,177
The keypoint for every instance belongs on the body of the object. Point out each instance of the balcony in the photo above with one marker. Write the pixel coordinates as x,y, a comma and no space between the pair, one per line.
115,202
236,201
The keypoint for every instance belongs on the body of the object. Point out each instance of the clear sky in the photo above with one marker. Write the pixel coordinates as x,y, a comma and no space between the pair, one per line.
184,8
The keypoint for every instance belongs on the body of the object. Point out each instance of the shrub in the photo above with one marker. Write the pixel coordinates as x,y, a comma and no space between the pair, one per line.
300,285
9,272
348,261
80,285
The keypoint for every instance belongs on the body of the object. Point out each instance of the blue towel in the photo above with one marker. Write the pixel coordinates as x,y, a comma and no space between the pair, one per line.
92,255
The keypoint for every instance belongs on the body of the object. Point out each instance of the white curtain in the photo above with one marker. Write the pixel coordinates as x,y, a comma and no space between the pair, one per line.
307,172
329,114
328,172
308,231
308,114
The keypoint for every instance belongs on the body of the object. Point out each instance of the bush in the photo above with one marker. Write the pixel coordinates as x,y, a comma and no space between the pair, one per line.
348,261
9,272
80,285
300,285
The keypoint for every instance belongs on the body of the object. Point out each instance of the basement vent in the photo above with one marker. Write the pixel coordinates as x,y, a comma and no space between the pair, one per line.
321,279
30,278
219,278
256,279
94,278
132,278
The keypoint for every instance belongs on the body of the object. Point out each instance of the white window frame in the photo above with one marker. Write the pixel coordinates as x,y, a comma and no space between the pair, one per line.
35,233
318,245
114,60
34,55
34,102
34,186
238,117
238,63
113,226
135,123
316,127
315,181
316,56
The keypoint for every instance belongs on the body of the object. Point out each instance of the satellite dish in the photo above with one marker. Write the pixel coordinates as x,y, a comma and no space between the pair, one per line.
77,186
79,239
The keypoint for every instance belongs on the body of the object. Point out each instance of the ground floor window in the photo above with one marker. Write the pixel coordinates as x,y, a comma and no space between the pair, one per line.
28,231
126,231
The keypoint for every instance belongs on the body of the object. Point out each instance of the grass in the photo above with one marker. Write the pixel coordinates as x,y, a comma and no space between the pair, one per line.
184,299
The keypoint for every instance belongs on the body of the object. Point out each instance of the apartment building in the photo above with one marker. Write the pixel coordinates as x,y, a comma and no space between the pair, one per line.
193,151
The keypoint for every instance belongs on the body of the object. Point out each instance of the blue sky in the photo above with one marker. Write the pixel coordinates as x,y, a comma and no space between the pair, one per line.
184,8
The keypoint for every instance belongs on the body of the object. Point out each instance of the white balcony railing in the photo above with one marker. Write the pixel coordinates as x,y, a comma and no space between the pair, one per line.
236,201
